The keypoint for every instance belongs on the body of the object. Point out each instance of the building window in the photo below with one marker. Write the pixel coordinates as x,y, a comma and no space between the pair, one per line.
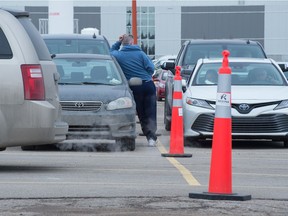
145,28
43,26
76,26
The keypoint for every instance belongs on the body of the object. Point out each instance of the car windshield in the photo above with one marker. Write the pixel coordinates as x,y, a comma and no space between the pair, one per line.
196,51
243,73
87,71
77,46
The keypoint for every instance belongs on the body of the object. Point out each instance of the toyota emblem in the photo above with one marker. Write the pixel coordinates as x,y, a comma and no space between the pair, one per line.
79,104
244,107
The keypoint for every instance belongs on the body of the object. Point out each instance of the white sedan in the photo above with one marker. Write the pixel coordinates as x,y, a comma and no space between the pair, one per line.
259,100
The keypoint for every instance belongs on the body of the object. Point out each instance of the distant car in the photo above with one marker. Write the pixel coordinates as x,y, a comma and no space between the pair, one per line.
192,50
284,68
77,43
29,101
159,61
96,99
160,81
259,100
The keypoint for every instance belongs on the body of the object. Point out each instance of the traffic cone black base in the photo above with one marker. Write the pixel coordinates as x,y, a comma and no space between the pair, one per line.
216,196
176,155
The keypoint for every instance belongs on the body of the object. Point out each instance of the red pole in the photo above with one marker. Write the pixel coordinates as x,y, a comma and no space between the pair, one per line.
134,21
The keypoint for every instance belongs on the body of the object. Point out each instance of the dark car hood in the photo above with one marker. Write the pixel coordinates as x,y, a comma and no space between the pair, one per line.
104,93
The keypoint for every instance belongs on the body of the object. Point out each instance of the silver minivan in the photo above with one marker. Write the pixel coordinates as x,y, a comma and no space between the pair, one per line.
30,112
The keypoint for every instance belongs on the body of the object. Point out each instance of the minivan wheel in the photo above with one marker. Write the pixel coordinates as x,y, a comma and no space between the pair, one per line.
126,144
28,148
285,143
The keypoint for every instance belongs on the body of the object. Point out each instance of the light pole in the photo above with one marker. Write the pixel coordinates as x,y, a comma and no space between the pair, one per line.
134,21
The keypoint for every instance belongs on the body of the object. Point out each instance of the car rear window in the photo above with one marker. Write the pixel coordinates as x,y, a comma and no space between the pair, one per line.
196,51
5,49
37,40
87,70
77,46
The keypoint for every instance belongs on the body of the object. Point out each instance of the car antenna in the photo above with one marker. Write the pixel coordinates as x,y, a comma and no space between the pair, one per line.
94,35
53,56
248,41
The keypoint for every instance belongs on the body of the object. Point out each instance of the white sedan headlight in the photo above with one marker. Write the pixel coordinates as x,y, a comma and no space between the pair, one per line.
198,103
120,103
282,105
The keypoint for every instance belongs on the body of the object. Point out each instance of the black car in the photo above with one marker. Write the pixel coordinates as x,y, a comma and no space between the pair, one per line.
193,50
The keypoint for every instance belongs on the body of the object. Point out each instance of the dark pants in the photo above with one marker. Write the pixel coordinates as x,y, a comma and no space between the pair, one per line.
146,106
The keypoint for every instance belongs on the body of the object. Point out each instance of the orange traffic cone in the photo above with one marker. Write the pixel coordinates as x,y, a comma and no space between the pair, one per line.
220,185
176,134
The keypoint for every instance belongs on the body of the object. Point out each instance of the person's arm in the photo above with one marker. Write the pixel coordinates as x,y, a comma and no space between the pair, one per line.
117,44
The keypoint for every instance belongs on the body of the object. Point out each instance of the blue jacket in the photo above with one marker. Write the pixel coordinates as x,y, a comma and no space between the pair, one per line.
133,61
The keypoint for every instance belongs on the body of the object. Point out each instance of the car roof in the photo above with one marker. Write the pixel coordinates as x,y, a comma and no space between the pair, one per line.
73,36
220,41
16,13
81,55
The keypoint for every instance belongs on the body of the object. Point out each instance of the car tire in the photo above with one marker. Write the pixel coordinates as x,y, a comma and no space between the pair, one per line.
28,148
167,112
126,144
285,143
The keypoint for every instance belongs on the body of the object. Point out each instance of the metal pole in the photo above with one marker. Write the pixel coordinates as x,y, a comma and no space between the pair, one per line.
134,21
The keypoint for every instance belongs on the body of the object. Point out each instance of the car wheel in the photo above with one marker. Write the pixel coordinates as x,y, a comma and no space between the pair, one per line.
285,143
126,144
167,112
28,148
192,142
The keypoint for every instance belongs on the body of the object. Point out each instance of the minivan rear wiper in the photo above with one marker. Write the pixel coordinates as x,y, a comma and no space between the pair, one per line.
70,83
96,83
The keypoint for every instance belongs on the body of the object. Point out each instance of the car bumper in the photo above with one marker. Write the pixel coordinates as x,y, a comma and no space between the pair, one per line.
100,126
31,123
199,123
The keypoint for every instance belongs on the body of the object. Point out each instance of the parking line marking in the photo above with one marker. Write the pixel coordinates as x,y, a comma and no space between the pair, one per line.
187,175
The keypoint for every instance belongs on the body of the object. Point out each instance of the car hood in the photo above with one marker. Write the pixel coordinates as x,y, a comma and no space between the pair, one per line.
104,93
241,94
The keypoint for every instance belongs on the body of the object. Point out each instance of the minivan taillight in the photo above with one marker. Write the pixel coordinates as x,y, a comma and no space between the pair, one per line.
33,82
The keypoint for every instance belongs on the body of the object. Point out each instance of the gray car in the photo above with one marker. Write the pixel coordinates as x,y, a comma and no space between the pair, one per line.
77,43
30,112
96,99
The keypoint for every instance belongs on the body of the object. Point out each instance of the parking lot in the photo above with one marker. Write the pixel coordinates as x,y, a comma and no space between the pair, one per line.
103,182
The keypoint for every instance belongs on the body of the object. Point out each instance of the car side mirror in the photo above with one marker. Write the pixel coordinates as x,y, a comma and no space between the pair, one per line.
135,81
168,66
283,66
184,85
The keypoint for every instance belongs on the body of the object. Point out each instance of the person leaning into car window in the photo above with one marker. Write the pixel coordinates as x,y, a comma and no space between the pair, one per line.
135,63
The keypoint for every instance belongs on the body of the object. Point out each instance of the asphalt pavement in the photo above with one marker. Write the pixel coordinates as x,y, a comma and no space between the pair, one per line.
93,182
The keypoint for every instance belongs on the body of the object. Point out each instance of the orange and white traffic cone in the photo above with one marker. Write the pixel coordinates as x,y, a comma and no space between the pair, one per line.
176,134
220,184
